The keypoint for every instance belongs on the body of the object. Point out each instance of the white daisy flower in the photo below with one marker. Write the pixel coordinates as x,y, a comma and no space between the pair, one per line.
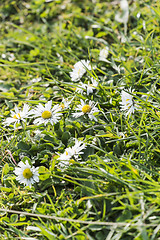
80,69
26,174
76,150
46,114
37,79
65,157
124,15
90,87
127,103
18,116
65,103
104,54
86,109
72,152
11,57
81,88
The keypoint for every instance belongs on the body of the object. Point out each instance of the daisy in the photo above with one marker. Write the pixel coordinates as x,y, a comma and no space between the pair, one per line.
103,54
26,174
72,152
17,116
127,103
124,15
90,87
80,69
65,103
65,157
86,109
76,150
81,88
46,114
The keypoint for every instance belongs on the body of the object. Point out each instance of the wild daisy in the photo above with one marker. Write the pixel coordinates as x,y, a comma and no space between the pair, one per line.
72,153
103,54
65,157
86,109
46,114
127,103
65,103
81,87
18,115
80,69
26,174
76,150
88,88
124,15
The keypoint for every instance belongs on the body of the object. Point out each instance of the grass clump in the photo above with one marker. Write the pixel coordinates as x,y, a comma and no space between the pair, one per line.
79,96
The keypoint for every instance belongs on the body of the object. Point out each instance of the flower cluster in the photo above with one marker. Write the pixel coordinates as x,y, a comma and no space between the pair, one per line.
44,114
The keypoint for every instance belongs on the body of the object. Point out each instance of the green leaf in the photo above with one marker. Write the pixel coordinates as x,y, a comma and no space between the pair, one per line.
5,170
48,234
125,215
23,146
14,218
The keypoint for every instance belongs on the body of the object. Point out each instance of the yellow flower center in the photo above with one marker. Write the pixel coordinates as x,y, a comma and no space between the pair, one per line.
86,109
46,114
27,173
15,116
62,105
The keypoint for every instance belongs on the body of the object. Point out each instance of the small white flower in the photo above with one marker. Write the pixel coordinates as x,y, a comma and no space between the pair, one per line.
86,109
37,79
76,150
81,88
65,103
124,15
46,114
66,155
72,152
80,69
124,5
18,116
127,103
3,55
88,88
104,54
11,57
26,174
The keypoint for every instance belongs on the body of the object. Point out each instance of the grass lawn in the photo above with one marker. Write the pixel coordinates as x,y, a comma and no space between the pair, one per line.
80,119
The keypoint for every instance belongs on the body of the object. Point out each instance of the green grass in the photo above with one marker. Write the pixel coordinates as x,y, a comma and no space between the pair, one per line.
113,192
